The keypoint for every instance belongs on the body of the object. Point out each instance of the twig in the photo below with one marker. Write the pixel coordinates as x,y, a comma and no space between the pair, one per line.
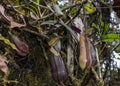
77,13
39,5
95,73
115,47
5,80
49,15
49,7
102,50
101,82
12,7
43,49
86,72
23,19
75,80
108,7
35,33
78,10
98,63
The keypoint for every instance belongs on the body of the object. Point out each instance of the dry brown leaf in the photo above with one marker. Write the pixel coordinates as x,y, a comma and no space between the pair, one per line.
3,65
13,24
3,59
53,41
2,10
89,30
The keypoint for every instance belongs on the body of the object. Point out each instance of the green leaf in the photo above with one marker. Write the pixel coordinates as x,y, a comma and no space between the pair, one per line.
53,2
90,9
97,27
50,22
6,41
73,11
101,21
108,40
104,25
110,37
68,28
30,9
38,1
106,28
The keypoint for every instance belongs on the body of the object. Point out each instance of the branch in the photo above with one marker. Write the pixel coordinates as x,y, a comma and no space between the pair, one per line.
49,15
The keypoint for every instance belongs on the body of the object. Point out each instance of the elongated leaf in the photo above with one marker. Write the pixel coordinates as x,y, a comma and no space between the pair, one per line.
34,16
49,22
89,8
7,41
2,10
96,26
69,29
108,40
54,52
76,29
101,21
58,46
53,41
31,9
111,36
14,24
106,28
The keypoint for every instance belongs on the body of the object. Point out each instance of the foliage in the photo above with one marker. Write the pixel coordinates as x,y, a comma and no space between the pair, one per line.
42,41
